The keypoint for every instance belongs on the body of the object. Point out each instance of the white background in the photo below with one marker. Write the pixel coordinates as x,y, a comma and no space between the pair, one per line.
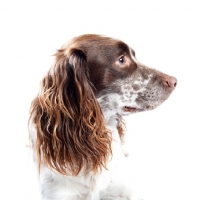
164,143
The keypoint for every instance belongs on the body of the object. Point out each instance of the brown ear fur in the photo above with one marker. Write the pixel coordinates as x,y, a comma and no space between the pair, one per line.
71,132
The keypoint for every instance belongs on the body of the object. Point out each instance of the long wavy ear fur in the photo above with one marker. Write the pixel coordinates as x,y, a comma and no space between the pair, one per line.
71,132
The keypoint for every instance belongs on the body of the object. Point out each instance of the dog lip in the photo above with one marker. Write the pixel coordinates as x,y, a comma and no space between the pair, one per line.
131,109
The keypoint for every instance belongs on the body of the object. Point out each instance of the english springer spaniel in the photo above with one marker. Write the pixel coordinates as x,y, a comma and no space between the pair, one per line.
76,118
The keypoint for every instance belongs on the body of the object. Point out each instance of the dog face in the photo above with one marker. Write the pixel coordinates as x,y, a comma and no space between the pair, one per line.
122,84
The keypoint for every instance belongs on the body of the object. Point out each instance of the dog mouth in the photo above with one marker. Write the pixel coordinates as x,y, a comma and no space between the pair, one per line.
135,109
131,109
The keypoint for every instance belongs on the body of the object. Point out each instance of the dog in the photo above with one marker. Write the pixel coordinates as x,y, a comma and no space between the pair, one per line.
76,120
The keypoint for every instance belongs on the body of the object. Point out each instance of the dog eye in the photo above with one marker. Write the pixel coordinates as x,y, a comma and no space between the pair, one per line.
121,59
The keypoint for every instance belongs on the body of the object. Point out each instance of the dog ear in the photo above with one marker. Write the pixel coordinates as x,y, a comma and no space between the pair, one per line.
71,132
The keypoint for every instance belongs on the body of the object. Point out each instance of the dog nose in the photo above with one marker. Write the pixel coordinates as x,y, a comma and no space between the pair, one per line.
170,81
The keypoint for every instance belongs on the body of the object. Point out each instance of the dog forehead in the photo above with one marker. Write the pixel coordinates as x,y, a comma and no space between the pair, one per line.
92,38
98,43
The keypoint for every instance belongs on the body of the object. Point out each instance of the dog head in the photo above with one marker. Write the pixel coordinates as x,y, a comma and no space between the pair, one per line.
121,83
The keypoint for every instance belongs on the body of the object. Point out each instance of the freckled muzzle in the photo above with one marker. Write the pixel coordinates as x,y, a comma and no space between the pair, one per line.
158,89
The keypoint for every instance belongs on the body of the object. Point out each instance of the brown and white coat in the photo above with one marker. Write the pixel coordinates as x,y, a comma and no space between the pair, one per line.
77,117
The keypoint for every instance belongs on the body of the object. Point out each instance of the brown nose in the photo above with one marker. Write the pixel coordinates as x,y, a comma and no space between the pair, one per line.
169,81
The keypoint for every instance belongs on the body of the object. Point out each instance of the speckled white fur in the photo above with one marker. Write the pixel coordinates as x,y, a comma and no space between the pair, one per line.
113,103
